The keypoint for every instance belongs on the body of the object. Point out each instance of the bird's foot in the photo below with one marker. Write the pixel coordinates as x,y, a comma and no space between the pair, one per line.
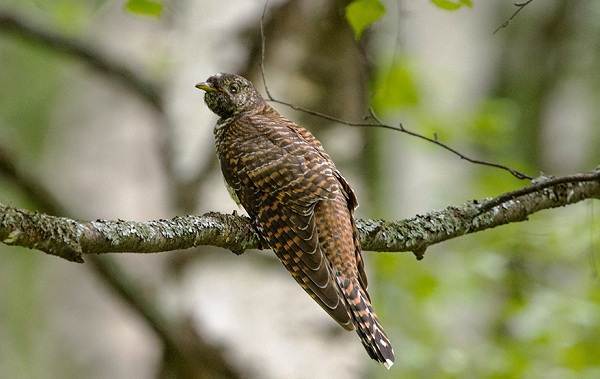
262,242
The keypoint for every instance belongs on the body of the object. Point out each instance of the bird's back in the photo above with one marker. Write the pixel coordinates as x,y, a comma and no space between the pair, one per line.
303,208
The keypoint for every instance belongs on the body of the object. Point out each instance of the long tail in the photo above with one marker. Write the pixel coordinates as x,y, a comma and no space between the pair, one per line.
367,325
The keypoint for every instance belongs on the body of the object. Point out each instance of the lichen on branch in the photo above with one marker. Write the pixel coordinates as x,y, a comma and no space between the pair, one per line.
71,239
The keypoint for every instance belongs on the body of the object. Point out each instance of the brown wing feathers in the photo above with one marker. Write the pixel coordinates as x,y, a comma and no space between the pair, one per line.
303,208
299,251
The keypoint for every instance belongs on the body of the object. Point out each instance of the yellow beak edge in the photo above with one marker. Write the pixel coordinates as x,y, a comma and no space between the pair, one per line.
205,87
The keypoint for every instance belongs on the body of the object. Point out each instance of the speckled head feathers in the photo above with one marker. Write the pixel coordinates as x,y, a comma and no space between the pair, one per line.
229,94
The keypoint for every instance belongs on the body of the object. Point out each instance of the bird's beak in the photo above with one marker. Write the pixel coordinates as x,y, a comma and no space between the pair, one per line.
205,86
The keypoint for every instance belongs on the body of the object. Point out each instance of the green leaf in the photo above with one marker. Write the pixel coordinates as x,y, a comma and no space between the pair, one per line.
363,13
144,7
451,5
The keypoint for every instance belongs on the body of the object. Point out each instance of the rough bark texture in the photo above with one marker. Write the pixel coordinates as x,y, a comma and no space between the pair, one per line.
71,239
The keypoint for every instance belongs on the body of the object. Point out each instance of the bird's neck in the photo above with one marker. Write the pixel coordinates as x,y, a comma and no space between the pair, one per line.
224,121
263,107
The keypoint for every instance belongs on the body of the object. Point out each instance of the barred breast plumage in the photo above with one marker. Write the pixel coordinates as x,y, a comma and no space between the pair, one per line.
299,202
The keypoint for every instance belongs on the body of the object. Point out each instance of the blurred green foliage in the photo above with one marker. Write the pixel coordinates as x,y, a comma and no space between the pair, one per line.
144,7
452,5
31,78
68,16
363,13
519,301
395,88
492,125
25,112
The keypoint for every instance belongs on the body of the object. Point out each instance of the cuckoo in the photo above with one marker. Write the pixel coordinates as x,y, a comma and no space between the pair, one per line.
299,203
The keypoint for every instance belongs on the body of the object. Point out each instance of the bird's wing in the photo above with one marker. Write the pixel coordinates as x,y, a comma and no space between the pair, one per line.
289,177
350,199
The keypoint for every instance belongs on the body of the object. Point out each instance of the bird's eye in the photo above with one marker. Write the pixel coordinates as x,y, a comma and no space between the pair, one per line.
234,88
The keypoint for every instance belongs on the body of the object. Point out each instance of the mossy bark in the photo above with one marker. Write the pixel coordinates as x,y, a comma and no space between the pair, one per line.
71,239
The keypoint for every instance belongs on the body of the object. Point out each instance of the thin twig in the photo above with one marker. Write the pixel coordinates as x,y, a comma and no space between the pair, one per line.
435,140
377,124
540,185
520,7
187,201
262,49
72,240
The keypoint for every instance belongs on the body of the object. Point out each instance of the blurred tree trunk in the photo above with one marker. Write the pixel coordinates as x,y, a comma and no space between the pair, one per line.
532,81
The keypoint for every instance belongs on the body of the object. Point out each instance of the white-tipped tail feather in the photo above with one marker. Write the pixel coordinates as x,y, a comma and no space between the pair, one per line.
366,323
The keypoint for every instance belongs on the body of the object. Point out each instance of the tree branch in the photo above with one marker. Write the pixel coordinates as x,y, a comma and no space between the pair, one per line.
186,352
71,239
519,8
32,189
182,343
539,184
145,89
378,122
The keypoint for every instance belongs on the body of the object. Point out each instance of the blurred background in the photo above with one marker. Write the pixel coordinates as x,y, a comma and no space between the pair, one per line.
519,301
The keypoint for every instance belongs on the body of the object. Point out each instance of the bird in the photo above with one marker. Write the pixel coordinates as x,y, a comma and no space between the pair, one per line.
298,202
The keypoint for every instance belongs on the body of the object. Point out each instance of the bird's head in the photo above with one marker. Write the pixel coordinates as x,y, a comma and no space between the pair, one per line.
229,94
